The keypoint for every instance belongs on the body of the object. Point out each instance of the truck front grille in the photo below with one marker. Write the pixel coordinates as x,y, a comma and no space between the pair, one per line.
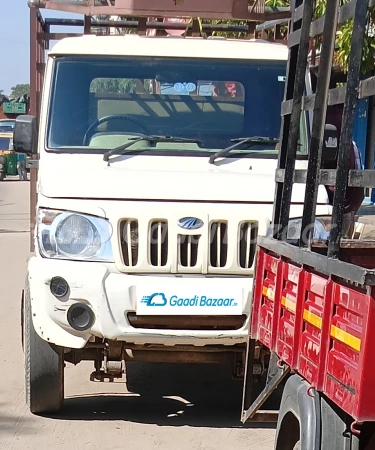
159,245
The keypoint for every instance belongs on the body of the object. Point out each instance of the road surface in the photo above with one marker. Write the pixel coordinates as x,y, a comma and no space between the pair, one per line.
183,408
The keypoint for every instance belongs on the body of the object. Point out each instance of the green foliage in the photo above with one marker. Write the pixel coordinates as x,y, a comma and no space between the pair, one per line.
20,89
368,59
277,3
343,39
113,86
343,42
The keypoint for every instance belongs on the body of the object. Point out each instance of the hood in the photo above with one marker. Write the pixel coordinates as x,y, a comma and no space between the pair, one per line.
161,178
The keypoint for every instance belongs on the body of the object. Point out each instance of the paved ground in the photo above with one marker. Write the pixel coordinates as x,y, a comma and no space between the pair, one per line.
184,408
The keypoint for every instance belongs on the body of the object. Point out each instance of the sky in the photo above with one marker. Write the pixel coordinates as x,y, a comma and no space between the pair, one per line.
14,42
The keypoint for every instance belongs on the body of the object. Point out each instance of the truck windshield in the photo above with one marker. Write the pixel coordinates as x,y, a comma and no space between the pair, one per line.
99,103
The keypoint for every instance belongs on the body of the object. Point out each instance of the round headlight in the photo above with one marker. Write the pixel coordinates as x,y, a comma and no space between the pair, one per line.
76,235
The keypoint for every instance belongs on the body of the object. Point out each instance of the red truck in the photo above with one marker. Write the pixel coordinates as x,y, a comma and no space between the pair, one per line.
313,310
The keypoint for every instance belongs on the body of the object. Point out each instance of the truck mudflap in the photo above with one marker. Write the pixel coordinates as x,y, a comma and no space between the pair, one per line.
310,420
299,418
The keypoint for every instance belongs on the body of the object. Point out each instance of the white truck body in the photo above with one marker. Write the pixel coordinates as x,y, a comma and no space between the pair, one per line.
152,189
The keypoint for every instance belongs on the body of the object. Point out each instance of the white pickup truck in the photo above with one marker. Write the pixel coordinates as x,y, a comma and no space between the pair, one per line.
155,176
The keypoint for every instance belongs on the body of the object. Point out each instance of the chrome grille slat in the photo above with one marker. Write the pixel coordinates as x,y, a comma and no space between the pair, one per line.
247,244
248,247
218,244
188,250
158,243
129,239
129,242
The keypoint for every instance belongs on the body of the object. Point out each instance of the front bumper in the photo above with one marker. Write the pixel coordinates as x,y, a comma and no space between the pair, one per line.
112,295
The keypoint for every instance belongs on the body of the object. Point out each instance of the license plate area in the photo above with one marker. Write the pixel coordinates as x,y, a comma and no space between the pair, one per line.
224,323
158,301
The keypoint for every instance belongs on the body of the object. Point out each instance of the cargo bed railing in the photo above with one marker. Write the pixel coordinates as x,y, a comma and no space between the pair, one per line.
304,28
270,31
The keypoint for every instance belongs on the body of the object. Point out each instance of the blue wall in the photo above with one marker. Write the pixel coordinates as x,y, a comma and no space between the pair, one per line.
360,126
360,131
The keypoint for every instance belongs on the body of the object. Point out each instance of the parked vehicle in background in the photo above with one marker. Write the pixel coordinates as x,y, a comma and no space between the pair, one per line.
6,134
21,167
2,168
6,141
7,125
6,147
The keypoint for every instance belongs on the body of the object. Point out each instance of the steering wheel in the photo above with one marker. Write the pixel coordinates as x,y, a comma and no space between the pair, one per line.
110,118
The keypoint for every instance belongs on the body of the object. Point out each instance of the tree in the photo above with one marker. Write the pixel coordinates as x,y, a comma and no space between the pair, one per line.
20,89
277,3
343,38
113,86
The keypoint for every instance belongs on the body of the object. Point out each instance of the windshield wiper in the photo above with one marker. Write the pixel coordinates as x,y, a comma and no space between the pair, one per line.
250,141
121,149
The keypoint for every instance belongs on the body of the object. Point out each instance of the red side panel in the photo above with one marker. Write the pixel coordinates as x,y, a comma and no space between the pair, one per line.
323,329
343,374
366,396
264,294
289,323
316,306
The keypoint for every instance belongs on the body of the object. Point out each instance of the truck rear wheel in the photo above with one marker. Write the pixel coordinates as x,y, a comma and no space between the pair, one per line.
44,367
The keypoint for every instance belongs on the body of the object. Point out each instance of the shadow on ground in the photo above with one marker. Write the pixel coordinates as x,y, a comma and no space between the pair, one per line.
167,395
4,230
9,424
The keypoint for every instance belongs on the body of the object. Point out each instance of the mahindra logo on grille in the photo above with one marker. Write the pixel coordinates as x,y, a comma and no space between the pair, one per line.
190,223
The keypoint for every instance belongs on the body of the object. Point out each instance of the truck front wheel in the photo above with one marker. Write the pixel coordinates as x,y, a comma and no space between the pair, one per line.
44,367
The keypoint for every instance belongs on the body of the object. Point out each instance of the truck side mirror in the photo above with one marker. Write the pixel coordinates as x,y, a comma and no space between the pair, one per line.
330,144
25,137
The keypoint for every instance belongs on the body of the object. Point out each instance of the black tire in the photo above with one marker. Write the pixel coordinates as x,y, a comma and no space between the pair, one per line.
44,367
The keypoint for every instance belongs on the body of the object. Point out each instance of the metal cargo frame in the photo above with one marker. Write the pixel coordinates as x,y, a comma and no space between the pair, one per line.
209,9
276,250
303,29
